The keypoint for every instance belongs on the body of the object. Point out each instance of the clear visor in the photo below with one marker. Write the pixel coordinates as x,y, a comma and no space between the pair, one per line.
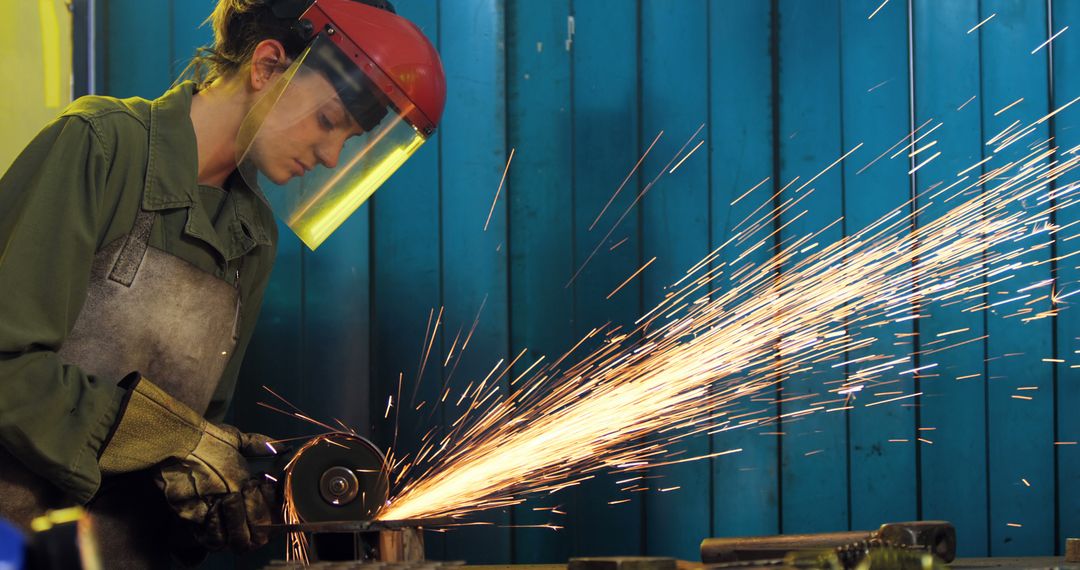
322,140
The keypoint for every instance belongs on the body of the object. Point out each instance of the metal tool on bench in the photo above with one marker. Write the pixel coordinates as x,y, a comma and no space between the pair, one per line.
934,537
336,484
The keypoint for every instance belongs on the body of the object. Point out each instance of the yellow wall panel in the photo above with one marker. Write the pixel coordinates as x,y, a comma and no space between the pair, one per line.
35,49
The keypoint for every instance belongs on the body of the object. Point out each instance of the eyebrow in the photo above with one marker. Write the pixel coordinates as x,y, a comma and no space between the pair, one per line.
351,122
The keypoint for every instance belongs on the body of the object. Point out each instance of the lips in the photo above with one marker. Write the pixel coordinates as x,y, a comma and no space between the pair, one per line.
299,169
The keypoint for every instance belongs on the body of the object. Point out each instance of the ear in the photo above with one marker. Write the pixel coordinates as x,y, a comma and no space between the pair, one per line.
267,61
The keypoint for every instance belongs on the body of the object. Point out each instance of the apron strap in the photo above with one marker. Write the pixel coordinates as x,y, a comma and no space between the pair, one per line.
131,254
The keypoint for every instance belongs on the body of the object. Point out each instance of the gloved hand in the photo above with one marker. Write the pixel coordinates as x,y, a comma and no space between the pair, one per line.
202,466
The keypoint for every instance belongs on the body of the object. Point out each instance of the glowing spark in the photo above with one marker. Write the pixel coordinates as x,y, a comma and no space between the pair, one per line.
1052,360
979,25
747,193
893,399
828,168
874,13
920,149
898,143
499,190
1048,40
974,166
1014,525
674,168
965,104
871,90
622,241
1026,482
629,175
1056,111
628,279
1009,106
924,163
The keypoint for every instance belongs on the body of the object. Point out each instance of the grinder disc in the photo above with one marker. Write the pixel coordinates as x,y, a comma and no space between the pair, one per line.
338,477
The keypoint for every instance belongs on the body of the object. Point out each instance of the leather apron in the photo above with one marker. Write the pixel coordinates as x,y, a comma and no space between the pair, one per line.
149,311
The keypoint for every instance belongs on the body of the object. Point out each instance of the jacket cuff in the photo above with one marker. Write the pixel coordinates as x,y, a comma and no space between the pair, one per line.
127,384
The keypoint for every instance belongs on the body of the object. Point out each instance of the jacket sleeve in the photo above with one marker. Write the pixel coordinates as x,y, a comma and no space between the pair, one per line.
53,417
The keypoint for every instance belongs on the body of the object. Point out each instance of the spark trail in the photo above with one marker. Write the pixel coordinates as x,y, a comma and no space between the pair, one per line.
732,329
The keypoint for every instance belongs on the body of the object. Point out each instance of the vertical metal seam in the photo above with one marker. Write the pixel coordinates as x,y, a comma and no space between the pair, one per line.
844,233
106,67
92,47
774,48
508,212
914,226
372,264
442,244
709,204
575,493
644,512
1051,96
172,39
985,316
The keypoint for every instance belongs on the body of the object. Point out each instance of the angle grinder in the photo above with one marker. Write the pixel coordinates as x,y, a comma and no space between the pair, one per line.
336,477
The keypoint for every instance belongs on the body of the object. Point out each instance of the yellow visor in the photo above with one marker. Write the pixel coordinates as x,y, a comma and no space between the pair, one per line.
323,139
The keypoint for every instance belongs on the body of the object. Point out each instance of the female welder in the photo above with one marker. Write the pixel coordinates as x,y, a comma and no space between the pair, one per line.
136,240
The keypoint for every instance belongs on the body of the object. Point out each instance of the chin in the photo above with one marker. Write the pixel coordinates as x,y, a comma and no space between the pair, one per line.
279,176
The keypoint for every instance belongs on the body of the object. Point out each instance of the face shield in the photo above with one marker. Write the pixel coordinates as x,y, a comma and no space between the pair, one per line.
325,136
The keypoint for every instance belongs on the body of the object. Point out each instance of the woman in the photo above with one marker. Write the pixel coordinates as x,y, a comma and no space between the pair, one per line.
136,240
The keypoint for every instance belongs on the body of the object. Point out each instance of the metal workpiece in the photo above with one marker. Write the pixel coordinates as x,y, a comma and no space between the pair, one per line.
1072,550
935,537
622,563
369,565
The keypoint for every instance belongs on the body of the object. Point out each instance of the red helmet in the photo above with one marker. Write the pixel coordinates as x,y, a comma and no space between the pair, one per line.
389,48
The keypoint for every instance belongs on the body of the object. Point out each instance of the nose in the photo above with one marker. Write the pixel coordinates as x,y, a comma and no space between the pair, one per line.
329,152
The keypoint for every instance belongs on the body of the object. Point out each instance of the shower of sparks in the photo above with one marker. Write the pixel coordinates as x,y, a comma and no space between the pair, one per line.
1050,39
979,25
499,190
733,331
736,330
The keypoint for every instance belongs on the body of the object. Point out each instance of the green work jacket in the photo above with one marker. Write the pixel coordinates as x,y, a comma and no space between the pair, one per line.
76,188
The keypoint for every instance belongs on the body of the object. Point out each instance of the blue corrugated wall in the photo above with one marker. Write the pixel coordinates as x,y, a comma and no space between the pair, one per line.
579,89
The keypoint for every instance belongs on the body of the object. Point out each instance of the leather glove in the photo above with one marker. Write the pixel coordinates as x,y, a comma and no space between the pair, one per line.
234,520
202,468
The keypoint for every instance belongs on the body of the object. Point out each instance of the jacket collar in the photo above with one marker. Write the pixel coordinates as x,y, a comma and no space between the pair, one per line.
172,170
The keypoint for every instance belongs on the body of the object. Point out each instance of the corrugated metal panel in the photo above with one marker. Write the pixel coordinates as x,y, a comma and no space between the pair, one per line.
579,89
